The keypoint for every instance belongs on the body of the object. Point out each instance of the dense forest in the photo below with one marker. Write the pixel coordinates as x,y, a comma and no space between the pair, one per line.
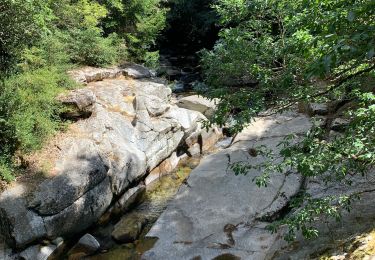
255,55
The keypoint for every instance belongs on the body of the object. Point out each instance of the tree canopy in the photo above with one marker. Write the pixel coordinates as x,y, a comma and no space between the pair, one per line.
275,54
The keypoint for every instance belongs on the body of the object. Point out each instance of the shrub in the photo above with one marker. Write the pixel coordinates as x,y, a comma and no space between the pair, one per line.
49,51
29,111
139,22
22,23
90,48
6,171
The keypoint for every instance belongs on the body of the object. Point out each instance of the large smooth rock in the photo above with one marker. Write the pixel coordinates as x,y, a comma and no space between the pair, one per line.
81,169
188,119
86,245
198,103
80,98
202,140
155,106
153,88
218,213
18,224
82,213
167,166
136,71
38,252
79,104
129,199
156,138
89,74
129,228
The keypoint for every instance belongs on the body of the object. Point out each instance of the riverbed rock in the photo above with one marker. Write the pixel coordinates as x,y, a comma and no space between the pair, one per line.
38,252
313,109
89,208
217,213
79,102
166,167
198,103
80,98
321,109
202,140
86,245
82,168
90,74
129,228
186,118
340,124
136,71
132,197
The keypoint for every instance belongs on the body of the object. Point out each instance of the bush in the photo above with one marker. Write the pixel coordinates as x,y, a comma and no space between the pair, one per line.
49,51
22,23
6,171
139,22
90,48
29,112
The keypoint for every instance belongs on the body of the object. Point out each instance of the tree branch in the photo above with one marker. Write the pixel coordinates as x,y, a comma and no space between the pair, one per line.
339,83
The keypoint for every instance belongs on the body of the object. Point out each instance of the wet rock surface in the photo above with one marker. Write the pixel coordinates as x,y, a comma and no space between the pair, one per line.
38,252
87,245
129,229
136,71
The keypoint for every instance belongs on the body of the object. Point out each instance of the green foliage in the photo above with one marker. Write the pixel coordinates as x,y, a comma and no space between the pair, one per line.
29,112
77,27
277,53
286,46
303,219
43,33
6,171
51,50
29,107
22,22
89,47
139,22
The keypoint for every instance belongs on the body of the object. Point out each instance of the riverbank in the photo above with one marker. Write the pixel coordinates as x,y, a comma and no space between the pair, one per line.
126,129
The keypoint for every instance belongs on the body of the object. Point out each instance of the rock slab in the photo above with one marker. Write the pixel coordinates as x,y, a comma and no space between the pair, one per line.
131,128
217,213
